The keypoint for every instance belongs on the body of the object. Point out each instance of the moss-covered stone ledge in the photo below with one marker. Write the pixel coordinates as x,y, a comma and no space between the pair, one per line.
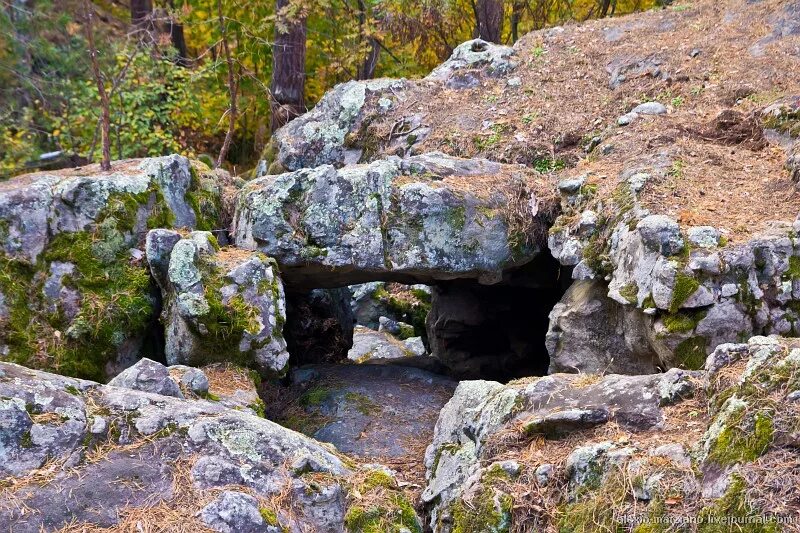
425,218
220,305
75,294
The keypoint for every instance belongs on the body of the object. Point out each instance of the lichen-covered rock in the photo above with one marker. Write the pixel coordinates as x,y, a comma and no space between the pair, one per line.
477,54
148,376
746,421
549,407
370,346
320,136
673,453
681,292
337,131
236,512
62,438
425,218
219,305
75,294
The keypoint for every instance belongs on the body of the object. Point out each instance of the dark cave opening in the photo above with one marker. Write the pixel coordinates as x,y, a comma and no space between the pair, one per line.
474,331
497,332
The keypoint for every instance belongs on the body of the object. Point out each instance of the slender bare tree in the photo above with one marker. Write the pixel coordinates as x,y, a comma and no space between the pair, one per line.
288,64
105,118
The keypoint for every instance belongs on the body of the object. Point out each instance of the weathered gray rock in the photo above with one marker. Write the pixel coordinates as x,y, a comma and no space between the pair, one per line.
80,230
405,220
589,332
551,407
476,410
370,346
336,132
704,236
495,59
144,442
396,328
148,376
193,379
682,292
219,305
234,512
416,346
367,306
793,162
622,68
627,118
650,108
319,137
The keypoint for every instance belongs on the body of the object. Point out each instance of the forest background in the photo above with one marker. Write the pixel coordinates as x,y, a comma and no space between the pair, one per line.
213,78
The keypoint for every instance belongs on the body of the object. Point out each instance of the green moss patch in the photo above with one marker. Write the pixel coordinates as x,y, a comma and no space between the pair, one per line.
683,322
730,513
630,292
362,403
691,353
737,443
269,516
381,507
684,287
223,326
488,512
793,271
412,310
116,293
203,197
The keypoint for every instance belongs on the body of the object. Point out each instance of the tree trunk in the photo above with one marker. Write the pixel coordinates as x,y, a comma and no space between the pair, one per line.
178,39
105,120
233,87
366,67
140,12
516,15
489,20
288,67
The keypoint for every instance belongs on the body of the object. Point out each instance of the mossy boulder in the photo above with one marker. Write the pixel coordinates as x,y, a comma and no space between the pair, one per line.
219,304
75,295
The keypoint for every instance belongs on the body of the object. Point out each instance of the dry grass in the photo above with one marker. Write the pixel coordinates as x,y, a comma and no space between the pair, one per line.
231,256
181,512
224,379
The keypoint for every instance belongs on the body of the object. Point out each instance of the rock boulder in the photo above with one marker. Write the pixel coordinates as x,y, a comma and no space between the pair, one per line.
421,219
219,304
